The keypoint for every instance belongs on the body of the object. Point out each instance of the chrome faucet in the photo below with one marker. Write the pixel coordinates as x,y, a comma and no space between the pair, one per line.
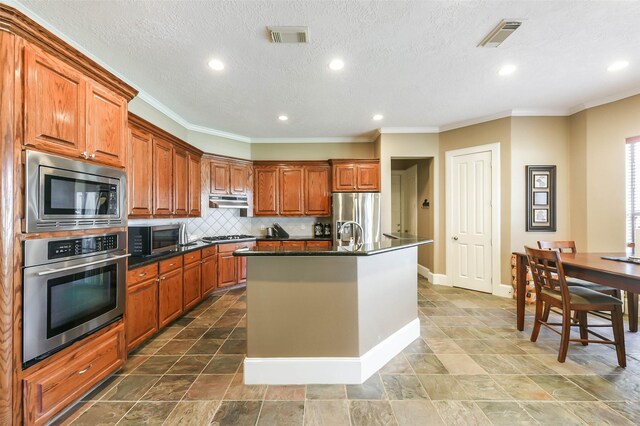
352,222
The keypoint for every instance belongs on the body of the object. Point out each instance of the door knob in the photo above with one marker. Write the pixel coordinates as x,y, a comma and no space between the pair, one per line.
455,238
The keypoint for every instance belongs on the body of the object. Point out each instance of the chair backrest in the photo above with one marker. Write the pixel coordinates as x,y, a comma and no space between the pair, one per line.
547,272
561,246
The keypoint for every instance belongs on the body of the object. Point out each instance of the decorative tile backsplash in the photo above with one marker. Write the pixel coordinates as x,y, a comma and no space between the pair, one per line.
229,221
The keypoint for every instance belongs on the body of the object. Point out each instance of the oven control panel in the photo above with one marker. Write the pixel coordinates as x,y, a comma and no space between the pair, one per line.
81,246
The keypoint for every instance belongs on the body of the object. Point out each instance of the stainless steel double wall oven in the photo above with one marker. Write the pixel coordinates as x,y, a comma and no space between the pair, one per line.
73,285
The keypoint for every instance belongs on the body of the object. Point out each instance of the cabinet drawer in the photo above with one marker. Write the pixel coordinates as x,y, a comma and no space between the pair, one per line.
229,248
143,273
192,257
170,264
319,244
209,251
52,388
293,245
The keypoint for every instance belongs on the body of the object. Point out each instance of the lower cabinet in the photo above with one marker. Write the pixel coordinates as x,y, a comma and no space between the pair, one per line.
170,295
191,281
71,373
295,244
227,271
319,244
209,274
142,312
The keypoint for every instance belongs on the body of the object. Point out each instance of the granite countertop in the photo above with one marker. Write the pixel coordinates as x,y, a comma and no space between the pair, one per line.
392,243
138,261
295,238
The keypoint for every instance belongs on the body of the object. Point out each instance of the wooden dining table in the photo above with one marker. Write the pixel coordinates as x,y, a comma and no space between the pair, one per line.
590,267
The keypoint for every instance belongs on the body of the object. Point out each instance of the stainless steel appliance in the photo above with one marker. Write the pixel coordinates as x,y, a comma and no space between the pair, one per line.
149,240
229,201
72,287
68,194
361,207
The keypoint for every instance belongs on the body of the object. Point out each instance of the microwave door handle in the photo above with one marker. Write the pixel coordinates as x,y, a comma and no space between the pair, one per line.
69,268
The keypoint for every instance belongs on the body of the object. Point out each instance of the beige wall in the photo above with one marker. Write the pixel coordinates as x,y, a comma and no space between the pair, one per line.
311,151
152,115
496,131
219,145
577,125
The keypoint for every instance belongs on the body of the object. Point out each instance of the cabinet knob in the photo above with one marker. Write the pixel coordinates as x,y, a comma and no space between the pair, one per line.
92,156
142,274
84,155
85,370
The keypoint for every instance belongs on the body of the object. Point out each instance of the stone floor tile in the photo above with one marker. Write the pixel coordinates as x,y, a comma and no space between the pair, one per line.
482,387
561,388
209,387
426,364
372,388
131,388
600,387
629,409
169,388
238,391
218,333
506,413
461,413
188,413
596,413
371,413
190,364
205,347
132,363
550,413
148,413
444,346
521,388
285,393
469,346
460,364
103,413
401,387
494,364
237,413
398,365
410,413
527,364
326,413
223,364
326,392
442,387
156,365
232,347
175,347
281,413
418,346
191,333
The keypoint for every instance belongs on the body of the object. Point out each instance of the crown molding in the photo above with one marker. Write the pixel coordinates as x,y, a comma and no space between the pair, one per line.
427,129
355,139
539,112
605,100
473,121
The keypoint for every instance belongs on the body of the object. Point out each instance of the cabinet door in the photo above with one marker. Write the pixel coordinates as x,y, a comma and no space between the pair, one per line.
269,245
139,172
180,182
368,178
170,294
106,126
293,245
266,191
195,197
317,198
209,274
344,178
226,270
239,178
291,195
162,177
54,105
219,179
191,285
142,312
319,244
241,265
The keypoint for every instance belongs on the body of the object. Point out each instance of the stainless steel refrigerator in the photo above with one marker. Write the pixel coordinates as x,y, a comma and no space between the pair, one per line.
360,207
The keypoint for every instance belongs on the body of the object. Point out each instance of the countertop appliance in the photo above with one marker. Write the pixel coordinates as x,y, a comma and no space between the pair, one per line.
150,240
63,194
360,207
228,238
72,287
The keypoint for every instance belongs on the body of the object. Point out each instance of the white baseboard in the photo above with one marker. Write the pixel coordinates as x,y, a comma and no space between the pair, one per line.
504,290
436,279
328,370
423,271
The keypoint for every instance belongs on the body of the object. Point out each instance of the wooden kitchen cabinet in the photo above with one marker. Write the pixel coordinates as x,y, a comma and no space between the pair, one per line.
239,179
106,126
162,177
368,177
140,172
170,295
319,244
293,245
192,276
265,191
269,244
142,312
180,182
219,177
227,270
195,185
344,178
355,175
209,272
317,195
291,191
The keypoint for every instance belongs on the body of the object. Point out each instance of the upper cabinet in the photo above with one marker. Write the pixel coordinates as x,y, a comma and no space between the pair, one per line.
164,173
292,189
355,175
219,180
240,179
67,113
229,177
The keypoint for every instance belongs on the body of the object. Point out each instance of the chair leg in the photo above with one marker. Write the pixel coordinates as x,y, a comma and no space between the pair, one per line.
618,334
547,310
536,322
566,334
582,319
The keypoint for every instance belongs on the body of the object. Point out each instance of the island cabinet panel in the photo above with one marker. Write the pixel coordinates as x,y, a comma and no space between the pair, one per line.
54,104
170,295
239,179
227,270
292,245
106,126
142,312
162,177
195,185
50,389
291,191
344,178
368,178
180,182
191,293
317,192
266,191
219,179
140,172
209,274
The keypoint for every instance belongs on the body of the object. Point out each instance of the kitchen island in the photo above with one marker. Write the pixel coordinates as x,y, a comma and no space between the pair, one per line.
329,315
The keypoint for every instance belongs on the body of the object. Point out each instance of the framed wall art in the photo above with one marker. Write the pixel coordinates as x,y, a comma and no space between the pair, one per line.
541,198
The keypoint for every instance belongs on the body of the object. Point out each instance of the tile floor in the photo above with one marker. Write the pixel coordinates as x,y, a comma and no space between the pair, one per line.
471,366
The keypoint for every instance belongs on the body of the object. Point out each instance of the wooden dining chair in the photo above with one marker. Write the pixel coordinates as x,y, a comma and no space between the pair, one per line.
553,292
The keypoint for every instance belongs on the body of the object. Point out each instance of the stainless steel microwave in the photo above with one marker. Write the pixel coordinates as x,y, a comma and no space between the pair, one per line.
65,194
150,240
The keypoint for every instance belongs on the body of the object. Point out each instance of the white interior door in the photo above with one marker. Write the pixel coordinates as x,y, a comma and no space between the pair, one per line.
471,221
410,200
396,204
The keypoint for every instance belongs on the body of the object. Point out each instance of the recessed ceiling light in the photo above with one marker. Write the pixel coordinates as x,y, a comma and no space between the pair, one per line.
617,66
283,117
507,69
216,64
336,64
378,117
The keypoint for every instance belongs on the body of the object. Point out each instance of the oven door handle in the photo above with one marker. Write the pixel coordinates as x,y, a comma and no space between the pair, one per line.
68,268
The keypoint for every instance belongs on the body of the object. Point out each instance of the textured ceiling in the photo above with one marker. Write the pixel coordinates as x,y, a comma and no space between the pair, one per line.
416,62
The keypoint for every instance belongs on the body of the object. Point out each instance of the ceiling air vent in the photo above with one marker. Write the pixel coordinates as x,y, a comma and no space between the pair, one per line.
500,33
289,34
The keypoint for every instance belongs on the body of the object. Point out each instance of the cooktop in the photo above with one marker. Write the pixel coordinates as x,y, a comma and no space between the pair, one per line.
227,237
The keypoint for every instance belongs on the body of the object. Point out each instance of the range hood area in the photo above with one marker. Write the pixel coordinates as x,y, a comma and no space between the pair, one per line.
228,201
